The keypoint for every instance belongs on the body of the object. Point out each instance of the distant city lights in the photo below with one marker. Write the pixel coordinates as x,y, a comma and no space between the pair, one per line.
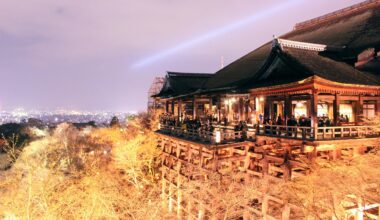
20,115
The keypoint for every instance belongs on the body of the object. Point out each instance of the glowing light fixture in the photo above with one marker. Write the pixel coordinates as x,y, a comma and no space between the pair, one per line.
217,137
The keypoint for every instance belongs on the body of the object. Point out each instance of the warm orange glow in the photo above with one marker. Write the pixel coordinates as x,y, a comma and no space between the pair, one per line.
300,109
346,109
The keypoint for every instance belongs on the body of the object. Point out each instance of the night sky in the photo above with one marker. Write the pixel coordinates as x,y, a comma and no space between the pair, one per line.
103,55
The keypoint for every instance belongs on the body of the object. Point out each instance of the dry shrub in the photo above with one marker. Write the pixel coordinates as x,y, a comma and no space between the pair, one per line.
111,173
105,173
335,185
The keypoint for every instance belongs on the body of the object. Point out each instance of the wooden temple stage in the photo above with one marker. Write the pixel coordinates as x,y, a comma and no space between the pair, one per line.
312,93
183,160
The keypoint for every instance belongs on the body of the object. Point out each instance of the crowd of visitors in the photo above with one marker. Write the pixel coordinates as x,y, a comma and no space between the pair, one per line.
208,121
304,121
202,126
187,123
241,128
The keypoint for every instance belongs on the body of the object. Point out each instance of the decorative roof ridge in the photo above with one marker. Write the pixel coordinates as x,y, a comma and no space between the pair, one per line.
337,14
171,73
298,45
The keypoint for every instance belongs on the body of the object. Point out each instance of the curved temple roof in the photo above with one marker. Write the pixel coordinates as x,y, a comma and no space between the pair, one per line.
177,83
327,47
354,30
289,63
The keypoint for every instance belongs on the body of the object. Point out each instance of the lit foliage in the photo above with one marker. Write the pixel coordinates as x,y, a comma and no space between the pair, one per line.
110,173
333,186
90,174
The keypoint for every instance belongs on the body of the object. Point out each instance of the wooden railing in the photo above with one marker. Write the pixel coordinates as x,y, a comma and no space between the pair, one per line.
296,132
342,132
319,133
226,134
218,135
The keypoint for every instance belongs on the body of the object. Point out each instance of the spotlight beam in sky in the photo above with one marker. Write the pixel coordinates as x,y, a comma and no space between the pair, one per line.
215,32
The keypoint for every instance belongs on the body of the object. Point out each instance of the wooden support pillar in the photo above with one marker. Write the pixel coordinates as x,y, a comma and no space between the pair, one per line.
267,111
179,106
210,106
215,162
219,107
337,154
246,110
179,204
311,156
178,151
264,206
247,162
179,194
272,111
265,166
359,110
241,109
171,200
287,169
285,212
172,107
163,190
314,113
336,110
288,108
195,108
201,157
188,153
167,106
229,111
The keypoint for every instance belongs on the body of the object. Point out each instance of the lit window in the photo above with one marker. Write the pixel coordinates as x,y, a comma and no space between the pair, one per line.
323,109
346,109
300,109
369,110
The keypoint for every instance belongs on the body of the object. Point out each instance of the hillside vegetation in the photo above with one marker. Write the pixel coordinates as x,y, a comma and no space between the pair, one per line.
113,173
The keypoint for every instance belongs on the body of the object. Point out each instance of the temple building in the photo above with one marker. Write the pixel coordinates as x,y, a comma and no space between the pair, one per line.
155,88
326,68
311,91
176,84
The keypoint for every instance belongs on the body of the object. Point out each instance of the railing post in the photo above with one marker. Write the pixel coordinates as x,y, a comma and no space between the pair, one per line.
324,133
333,132
257,129
350,132
271,129
303,133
